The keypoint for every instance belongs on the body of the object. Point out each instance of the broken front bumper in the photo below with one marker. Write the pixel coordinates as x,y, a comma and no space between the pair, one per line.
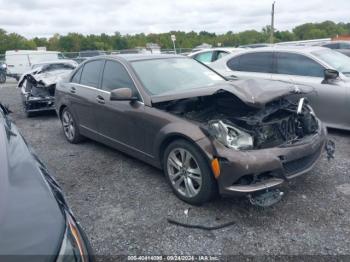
36,104
265,168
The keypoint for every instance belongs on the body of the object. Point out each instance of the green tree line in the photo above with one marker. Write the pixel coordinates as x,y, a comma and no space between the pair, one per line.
73,42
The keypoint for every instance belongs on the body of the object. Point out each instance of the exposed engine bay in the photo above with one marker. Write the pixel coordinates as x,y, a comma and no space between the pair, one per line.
281,122
38,85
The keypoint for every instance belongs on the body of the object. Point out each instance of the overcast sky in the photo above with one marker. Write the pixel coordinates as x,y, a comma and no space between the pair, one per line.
46,17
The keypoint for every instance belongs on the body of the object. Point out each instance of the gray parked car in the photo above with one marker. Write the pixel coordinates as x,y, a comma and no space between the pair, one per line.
327,71
207,134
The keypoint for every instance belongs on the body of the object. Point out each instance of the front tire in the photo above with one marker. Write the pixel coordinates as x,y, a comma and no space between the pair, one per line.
70,127
188,173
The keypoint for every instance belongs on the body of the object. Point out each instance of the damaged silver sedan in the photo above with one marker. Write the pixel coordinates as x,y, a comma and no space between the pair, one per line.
38,85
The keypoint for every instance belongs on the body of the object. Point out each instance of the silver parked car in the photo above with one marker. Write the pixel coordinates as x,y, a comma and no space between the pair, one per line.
327,71
207,56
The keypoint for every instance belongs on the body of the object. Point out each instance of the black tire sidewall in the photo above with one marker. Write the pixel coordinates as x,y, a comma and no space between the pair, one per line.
209,186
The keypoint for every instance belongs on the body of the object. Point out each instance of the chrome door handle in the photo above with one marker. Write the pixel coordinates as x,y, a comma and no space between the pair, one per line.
100,100
72,90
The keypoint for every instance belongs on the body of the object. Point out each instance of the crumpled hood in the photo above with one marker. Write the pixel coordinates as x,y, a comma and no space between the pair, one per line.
255,93
52,77
46,78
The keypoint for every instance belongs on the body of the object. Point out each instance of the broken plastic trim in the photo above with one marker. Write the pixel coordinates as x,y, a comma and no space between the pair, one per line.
175,222
267,198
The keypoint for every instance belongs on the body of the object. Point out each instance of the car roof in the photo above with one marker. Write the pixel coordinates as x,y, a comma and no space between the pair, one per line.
336,41
275,48
26,52
138,57
300,48
227,49
59,61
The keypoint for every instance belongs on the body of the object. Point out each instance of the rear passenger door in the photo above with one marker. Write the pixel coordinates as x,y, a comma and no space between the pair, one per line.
83,90
251,65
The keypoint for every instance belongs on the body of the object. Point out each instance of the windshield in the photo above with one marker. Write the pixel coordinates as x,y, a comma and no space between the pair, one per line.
338,61
160,76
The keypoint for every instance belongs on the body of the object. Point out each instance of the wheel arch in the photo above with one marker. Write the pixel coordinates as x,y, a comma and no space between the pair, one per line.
178,136
62,107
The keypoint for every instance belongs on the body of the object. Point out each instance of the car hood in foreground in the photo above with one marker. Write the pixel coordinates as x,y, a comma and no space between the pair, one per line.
255,93
31,221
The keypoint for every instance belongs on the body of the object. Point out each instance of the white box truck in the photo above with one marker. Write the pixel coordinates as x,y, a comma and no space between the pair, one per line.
20,61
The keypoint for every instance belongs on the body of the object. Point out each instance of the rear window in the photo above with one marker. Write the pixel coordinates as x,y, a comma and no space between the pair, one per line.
260,62
205,57
332,46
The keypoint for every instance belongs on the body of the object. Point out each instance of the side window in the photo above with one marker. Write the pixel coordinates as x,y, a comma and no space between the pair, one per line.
332,46
115,76
91,73
233,63
295,64
77,75
204,57
344,45
220,54
260,62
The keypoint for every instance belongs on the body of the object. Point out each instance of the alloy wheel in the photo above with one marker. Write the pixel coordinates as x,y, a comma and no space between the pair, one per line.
68,125
184,172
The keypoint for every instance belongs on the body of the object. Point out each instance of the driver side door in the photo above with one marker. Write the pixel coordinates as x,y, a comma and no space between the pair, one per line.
119,122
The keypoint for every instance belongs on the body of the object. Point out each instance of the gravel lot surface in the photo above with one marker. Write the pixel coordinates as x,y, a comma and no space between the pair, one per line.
123,203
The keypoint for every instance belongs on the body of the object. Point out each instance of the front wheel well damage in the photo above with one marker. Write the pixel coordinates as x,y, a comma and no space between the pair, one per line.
171,138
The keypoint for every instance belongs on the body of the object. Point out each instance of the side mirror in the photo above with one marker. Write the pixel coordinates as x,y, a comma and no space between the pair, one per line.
122,94
330,74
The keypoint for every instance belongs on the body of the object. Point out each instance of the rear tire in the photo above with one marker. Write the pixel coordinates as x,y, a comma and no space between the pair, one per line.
188,173
70,127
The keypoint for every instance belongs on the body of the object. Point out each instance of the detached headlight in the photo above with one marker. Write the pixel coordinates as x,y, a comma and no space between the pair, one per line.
73,246
231,136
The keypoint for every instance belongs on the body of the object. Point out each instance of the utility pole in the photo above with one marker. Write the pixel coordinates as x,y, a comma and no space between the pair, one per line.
272,22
